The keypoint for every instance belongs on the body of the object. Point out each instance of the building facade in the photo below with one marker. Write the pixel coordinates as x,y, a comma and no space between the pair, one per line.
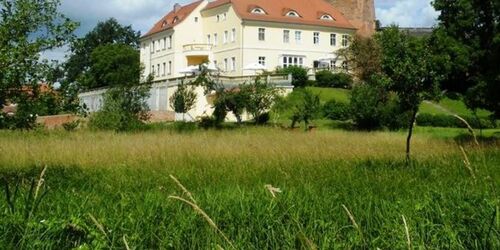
231,34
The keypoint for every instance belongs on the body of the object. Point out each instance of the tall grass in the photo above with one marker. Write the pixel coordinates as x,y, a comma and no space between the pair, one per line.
329,190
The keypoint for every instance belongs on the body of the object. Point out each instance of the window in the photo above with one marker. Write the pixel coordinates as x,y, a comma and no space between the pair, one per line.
152,48
262,34
169,42
216,39
169,67
175,20
293,61
292,14
164,69
345,66
233,35
218,18
286,36
152,70
262,60
333,39
345,40
158,70
316,38
258,11
233,63
209,39
224,16
333,64
215,63
158,46
226,35
164,43
326,17
225,64
195,19
298,37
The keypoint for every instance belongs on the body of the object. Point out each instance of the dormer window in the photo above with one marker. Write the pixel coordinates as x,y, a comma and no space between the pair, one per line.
258,11
326,17
175,20
292,14
164,23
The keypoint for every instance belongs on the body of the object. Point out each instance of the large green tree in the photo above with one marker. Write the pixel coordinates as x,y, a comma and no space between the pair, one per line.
468,33
28,28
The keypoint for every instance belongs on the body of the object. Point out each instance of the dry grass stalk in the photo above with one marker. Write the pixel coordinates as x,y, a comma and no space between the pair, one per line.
125,242
272,190
205,216
471,130
407,231
98,225
351,217
40,181
307,242
467,163
184,189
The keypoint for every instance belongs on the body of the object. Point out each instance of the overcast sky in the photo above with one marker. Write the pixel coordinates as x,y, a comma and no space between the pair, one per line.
142,14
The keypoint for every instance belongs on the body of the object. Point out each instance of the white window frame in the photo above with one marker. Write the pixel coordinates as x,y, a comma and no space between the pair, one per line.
333,39
291,60
159,45
226,64
298,37
164,71
258,11
169,42
216,39
209,39
327,17
233,63
226,36
292,13
169,72
158,71
218,18
286,36
316,38
233,35
345,41
262,34
262,60
224,16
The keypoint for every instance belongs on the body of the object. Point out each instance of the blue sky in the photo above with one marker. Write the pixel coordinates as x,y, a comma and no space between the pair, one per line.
142,14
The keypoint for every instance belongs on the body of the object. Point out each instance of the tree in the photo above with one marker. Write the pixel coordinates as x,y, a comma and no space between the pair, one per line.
28,28
125,105
307,110
364,55
260,97
183,99
408,63
468,34
299,75
107,32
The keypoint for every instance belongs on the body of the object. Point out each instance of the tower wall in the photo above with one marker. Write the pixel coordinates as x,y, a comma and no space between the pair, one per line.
361,14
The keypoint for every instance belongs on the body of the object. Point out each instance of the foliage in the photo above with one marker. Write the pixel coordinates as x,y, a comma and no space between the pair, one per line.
468,36
449,121
71,126
183,99
105,33
364,56
233,100
307,110
325,78
124,108
335,110
299,75
259,97
367,101
28,28
113,65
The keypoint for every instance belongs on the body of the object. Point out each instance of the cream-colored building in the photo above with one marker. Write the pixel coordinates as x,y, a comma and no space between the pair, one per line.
232,34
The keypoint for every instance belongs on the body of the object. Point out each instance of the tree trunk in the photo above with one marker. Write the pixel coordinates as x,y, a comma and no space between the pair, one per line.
410,133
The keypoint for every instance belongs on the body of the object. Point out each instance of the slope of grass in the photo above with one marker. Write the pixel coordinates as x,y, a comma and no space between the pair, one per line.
327,94
106,190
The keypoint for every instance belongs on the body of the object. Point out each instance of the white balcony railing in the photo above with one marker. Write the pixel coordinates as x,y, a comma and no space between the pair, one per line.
197,47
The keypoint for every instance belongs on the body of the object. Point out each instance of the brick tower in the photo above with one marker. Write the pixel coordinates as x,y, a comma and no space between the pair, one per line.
361,14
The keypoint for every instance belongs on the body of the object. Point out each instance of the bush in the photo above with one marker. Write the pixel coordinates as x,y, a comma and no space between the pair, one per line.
299,75
449,121
328,79
338,111
263,118
71,126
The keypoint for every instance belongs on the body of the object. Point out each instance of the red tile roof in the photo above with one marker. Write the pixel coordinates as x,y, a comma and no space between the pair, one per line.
309,11
167,22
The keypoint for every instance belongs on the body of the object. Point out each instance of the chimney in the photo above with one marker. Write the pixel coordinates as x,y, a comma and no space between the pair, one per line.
177,7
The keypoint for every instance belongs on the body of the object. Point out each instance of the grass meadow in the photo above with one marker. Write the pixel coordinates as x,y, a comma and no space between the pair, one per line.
247,188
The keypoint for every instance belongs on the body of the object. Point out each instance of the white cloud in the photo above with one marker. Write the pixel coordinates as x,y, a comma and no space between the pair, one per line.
406,13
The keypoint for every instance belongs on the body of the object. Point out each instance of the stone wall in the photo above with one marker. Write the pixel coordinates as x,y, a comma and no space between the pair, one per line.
361,14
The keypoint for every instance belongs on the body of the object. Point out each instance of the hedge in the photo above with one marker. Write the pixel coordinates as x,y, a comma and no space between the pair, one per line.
449,121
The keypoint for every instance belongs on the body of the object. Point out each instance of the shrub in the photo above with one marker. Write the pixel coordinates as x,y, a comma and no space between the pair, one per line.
125,108
299,75
366,101
263,118
71,126
307,110
328,79
336,111
449,121
183,99
207,122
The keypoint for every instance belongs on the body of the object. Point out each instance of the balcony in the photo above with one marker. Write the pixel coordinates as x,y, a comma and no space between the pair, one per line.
197,49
